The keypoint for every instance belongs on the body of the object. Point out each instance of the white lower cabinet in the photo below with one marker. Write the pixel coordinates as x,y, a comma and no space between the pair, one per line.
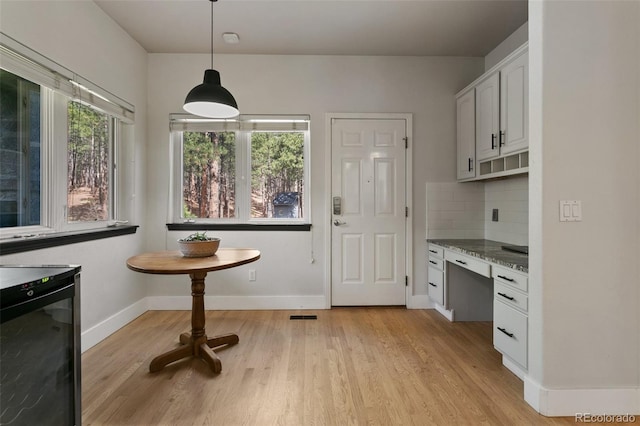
435,274
468,262
510,299
510,332
509,296
436,285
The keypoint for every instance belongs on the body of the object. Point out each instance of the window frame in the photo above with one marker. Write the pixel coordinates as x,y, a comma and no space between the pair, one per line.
58,87
244,126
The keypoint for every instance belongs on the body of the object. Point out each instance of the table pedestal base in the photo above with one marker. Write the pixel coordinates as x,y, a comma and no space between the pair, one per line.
196,343
201,347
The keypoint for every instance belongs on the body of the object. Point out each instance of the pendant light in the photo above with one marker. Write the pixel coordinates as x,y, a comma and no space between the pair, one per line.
210,99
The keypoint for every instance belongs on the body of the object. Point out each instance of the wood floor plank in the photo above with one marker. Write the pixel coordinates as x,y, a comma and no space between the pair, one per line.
351,366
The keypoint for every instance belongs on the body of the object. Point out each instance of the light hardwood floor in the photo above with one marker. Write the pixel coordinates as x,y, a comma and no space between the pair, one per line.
351,366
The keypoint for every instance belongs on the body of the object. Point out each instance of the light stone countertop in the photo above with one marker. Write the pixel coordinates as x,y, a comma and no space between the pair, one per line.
488,250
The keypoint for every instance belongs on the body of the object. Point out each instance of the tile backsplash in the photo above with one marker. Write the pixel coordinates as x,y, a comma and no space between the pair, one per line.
511,198
464,210
455,210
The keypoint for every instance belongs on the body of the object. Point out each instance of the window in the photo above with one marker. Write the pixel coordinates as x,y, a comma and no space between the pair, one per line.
58,142
277,174
250,170
208,175
88,164
19,151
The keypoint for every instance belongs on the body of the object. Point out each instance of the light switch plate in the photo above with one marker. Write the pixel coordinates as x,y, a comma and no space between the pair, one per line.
570,210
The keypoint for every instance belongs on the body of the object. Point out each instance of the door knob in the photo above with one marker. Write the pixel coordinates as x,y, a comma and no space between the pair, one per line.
339,222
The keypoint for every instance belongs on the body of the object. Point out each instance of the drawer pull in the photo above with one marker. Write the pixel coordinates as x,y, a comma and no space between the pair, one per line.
461,262
506,278
432,262
506,297
433,251
505,332
432,284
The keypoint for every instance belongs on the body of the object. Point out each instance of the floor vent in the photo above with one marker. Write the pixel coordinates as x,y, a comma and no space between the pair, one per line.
303,317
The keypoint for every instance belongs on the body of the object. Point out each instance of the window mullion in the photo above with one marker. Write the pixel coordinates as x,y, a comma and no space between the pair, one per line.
112,174
243,188
53,138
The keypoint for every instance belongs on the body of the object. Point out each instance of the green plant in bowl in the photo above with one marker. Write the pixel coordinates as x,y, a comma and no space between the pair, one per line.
196,236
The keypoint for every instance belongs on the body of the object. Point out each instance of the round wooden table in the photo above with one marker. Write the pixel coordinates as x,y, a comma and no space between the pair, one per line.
195,343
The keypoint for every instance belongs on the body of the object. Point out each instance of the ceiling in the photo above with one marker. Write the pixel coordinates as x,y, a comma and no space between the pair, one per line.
321,27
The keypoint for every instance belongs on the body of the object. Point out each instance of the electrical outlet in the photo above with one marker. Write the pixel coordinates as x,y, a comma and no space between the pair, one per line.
494,215
252,274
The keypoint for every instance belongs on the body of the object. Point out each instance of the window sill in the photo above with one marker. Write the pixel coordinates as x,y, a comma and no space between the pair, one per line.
238,227
19,245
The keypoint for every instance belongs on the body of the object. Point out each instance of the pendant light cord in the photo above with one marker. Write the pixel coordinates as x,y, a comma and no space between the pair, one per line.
212,32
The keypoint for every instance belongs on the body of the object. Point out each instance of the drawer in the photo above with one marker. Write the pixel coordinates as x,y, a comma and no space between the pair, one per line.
510,332
436,251
434,262
510,277
476,265
511,297
435,285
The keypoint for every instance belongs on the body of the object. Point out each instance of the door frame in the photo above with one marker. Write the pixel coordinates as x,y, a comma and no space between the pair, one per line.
408,178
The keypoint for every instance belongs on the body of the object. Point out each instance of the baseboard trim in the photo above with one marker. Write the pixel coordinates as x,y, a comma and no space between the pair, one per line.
447,314
570,402
420,301
94,335
169,303
513,367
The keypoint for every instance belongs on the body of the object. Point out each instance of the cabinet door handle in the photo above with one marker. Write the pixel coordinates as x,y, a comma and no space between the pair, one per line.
432,284
433,251
432,262
505,332
506,297
493,141
461,262
470,163
506,278
502,138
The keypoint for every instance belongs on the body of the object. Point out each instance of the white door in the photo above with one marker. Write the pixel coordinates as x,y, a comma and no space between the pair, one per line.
368,212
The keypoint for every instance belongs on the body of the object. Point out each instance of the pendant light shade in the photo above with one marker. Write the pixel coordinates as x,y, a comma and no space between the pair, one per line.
210,99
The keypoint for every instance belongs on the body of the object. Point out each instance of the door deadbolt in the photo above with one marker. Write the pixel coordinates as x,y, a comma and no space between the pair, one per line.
337,205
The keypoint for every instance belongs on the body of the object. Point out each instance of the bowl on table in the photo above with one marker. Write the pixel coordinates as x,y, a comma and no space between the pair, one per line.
199,248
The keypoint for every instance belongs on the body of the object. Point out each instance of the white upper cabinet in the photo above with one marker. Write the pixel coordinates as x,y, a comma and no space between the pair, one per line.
514,101
488,117
493,121
466,135
502,108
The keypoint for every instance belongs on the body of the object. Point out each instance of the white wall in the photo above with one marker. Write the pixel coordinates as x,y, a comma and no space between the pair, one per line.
584,277
313,85
79,36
